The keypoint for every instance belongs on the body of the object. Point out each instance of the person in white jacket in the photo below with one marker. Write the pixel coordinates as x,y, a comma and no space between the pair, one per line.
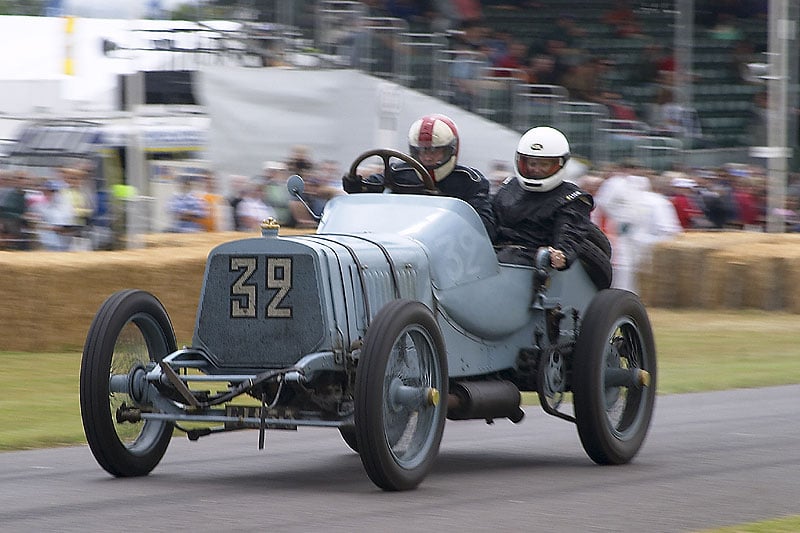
641,218
54,215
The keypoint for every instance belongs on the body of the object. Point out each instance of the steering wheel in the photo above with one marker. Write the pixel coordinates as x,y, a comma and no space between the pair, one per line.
388,172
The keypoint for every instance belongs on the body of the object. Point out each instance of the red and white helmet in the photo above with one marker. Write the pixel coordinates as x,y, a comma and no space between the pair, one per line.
431,132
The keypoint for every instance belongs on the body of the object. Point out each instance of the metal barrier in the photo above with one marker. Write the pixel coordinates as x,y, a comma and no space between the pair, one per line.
620,137
659,153
337,27
138,216
580,122
419,53
496,90
536,104
457,77
384,57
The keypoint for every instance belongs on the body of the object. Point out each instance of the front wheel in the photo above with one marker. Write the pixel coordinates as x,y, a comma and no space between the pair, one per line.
614,377
400,395
348,434
130,330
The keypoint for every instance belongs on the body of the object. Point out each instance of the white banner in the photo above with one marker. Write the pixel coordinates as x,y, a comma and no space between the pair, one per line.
258,114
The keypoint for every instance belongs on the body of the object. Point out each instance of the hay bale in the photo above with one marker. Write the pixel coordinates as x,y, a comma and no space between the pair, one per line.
727,270
50,298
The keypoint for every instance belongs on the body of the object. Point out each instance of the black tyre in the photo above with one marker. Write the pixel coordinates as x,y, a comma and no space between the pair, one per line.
349,437
130,329
613,398
400,395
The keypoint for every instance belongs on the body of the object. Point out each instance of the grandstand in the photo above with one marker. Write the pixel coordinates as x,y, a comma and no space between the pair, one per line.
722,99
422,52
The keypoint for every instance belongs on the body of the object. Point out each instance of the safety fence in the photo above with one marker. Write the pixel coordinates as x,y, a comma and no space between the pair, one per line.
342,34
437,64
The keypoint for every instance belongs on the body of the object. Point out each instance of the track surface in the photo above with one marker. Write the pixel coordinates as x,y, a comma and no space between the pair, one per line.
711,459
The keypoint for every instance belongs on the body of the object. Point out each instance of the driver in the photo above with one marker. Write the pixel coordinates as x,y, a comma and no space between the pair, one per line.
539,208
433,141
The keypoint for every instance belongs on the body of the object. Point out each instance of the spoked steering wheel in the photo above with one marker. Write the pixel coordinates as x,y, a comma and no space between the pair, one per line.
388,172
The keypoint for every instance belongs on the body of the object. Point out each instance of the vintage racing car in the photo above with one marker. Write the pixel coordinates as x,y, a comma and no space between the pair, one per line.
392,318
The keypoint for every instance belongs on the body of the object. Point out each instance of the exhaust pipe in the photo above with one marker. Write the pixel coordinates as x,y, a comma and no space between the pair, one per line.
484,399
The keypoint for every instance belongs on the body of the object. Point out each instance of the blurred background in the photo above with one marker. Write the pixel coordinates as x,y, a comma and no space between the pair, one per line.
119,119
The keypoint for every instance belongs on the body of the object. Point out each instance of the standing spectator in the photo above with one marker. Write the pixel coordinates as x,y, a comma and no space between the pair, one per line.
80,193
315,198
54,214
622,19
276,195
585,80
329,176
252,210
641,217
618,108
541,70
513,62
668,117
468,62
646,69
717,200
567,30
689,214
207,184
187,208
12,210
299,161
319,190
238,184
746,200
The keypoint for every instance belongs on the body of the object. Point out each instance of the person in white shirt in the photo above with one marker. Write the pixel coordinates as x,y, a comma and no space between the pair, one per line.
54,215
641,219
251,211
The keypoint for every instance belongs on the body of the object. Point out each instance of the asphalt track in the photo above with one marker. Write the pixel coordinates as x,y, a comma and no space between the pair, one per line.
710,459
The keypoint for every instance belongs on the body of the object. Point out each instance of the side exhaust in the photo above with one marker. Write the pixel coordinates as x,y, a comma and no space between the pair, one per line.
484,399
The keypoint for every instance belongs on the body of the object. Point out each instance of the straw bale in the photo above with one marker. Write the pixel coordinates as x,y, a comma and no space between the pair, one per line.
49,299
725,270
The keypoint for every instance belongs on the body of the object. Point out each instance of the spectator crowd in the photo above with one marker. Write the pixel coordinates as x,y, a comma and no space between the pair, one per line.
636,207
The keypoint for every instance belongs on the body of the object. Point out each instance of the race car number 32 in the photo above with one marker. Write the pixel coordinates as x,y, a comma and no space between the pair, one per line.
244,302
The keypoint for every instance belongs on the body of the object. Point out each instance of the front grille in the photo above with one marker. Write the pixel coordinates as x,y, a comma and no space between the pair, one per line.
260,310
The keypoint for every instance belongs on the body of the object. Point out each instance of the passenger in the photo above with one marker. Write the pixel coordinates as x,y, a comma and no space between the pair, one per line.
537,208
433,141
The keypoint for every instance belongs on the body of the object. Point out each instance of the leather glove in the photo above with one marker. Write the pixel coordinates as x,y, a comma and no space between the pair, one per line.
351,184
373,183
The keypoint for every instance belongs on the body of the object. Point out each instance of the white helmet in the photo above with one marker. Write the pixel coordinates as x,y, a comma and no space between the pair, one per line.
550,149
435,131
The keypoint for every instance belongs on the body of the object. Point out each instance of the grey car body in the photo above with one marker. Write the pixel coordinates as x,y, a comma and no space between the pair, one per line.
393,317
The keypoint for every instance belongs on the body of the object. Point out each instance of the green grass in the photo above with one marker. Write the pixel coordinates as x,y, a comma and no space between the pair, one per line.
39,404
705,351
697,351
789,524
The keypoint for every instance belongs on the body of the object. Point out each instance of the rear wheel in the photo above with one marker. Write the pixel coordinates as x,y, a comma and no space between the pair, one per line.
130,329
614,377
401,384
